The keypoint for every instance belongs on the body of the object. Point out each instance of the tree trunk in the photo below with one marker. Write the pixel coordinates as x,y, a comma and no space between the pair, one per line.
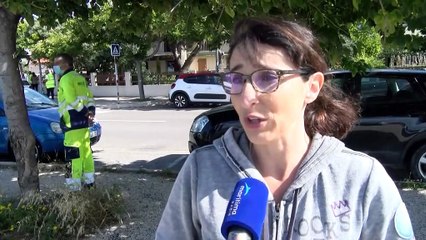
140,80
182,60
191,56
21,136
139,72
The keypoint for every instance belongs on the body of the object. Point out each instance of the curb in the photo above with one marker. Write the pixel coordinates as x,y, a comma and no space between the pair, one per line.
168,171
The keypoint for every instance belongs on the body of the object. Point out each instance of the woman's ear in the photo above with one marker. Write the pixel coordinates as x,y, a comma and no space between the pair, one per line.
314,85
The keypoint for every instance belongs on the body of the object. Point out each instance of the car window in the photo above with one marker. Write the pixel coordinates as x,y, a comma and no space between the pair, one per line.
345,82
388,89
191,80
373,87
337,82
213,79
36,99
203,79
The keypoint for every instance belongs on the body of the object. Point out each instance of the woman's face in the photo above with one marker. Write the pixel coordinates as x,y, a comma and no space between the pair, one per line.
269,117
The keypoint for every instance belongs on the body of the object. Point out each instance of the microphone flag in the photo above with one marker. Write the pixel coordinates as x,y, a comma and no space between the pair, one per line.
247,208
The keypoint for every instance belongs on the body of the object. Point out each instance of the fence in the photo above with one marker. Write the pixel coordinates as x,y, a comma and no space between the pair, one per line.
103,85
410,60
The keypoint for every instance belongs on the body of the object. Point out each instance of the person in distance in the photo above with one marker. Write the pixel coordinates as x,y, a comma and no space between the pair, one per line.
292,121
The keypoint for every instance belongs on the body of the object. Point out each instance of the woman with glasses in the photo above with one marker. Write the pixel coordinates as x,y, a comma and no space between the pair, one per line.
292,121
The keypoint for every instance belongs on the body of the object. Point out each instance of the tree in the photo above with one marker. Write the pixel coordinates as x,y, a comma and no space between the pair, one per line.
364,47
20,134
185,25
90,42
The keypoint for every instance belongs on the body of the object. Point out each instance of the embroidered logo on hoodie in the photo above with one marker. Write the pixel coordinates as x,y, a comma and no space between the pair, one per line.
340,207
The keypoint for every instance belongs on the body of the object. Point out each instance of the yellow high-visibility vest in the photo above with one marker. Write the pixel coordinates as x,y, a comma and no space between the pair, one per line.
75,100
50,80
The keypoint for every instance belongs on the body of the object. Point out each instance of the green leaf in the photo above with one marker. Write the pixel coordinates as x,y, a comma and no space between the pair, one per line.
229,11
319,18
387,21
355,3
266,6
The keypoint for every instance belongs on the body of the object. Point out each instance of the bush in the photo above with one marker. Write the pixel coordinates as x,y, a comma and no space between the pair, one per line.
154,79
60,215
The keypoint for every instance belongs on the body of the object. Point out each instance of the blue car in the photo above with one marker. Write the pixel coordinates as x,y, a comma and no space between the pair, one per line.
44,120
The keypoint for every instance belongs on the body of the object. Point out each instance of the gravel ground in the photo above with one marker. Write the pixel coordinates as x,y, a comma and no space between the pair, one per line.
145,195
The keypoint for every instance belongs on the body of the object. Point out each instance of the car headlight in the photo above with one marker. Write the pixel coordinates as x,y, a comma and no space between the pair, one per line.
199,124
56,127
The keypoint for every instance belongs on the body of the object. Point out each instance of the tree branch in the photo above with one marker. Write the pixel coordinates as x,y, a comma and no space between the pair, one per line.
220,16
177,4
327,18
156,49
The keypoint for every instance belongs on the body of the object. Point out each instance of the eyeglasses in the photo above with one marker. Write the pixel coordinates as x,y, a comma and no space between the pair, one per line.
264,80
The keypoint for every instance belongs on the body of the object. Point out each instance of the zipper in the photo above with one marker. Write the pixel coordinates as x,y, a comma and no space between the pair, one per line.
292,214
277,218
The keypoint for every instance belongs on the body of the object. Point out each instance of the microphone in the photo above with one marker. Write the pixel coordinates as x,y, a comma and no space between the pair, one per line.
246,211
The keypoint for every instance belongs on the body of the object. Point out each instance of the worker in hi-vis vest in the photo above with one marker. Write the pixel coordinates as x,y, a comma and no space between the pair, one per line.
77,111
49,82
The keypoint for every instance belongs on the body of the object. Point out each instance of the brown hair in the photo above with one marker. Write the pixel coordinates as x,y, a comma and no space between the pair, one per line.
333,113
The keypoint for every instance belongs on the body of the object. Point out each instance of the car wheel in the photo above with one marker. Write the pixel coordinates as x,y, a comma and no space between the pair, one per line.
180,100
418,164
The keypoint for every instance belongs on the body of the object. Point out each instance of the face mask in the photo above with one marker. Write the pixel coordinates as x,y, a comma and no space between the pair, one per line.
57,70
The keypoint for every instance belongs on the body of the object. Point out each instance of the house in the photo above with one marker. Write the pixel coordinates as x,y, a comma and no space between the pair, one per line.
206,59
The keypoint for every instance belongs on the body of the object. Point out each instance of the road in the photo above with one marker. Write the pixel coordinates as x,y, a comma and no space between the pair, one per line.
136,137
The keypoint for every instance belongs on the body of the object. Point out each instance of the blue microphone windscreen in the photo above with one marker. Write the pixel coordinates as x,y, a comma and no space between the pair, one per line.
246,208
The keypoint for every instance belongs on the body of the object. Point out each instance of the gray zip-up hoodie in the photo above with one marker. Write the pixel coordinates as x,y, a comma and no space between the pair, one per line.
337,194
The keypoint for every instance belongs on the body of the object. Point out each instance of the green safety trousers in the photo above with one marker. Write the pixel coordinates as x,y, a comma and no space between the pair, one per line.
79,154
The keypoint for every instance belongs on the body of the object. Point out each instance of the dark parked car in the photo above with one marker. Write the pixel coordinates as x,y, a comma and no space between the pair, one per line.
392,126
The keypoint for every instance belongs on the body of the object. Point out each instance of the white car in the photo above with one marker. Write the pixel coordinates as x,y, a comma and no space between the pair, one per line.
197,88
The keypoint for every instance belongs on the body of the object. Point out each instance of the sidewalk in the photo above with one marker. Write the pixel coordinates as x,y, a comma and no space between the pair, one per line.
132,103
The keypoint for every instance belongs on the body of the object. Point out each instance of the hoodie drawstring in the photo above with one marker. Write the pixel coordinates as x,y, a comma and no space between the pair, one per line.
293,214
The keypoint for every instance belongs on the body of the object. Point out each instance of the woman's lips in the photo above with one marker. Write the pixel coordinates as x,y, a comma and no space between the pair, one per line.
254,121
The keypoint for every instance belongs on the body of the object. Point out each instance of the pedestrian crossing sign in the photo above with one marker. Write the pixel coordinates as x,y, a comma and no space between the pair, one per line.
115,50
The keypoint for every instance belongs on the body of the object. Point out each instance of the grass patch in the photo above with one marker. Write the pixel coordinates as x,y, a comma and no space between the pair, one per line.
63,214
412,184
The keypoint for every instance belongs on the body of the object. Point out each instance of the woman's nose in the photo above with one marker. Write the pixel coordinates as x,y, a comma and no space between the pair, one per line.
249,94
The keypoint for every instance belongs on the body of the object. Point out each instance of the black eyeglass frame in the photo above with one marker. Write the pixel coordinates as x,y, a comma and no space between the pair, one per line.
280,73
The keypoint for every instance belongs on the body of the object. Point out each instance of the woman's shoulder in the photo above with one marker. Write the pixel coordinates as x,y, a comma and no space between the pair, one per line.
206,155
357,164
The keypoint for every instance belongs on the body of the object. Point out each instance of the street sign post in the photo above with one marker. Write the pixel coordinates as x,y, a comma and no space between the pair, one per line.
115,52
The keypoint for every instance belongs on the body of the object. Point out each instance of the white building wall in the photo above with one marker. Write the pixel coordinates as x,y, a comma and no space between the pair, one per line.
128,90
161,90
210,60
211,63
